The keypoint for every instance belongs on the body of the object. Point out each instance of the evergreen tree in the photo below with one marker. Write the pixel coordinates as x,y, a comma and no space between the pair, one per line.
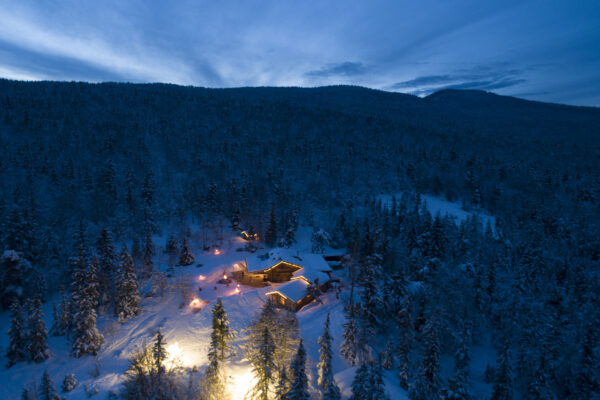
47,389
17,335
283,385
185,257
263,367
62,321
458,385
349,346
147,263
326,382
87,339
299,386
372,304
12,271
106,266
387,357
219,350
502,378
37,348
271,232
431,356
127,301
69,383
368,383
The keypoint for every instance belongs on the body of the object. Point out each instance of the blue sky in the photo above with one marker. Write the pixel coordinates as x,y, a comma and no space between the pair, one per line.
543,50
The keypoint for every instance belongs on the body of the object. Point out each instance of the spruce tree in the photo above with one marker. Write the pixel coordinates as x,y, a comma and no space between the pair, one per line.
458,385
372,304
263,367
11,278
219,350
147,263
431,355
361,383
107,265
37,348
368,383
299,386
271,232
127,300
502,389
69,383
17,335
63,321
47,389
282,386
349,346
185,256
328,388
87,339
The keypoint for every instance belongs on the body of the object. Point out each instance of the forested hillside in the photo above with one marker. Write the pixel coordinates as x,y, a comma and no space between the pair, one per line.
137,159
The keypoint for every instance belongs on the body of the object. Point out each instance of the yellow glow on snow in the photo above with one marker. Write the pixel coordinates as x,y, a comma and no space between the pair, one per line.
196,303
177,357
201,278
217,252
241,384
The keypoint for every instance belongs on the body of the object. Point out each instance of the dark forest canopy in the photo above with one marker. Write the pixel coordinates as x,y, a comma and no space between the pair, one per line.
79,151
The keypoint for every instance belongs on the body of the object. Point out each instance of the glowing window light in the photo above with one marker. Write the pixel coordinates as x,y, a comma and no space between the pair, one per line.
201,278
224,276
237,289
217,252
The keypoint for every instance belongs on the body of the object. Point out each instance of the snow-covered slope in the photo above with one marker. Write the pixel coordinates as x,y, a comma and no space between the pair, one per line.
186,332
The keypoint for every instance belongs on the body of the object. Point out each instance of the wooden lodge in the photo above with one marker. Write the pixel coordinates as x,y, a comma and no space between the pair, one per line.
295,271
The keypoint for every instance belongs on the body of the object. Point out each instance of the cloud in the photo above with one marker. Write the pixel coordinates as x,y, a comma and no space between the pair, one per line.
480,78
347,68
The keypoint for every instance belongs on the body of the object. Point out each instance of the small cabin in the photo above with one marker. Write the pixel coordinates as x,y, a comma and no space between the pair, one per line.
249,236
292,295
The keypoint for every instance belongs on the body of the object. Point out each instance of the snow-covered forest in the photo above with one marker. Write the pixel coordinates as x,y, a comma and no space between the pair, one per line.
467,225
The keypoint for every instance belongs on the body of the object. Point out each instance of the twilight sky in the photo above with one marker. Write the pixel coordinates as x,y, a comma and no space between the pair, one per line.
545,50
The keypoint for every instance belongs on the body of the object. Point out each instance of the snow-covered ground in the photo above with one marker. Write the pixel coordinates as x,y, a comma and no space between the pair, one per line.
186,332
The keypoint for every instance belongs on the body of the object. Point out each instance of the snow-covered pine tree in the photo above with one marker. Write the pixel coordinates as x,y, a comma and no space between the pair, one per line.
431,355
68,383
319,240
282,386
372,304
64,314
219,350
328,388
13,268
503,388
37,348
17,335
299,386
47,389
368,383
263,367
349,346
387,356
107,265
404,323
87,339
361,383
171,247
147,263
185,256
271,231
127,300
458,385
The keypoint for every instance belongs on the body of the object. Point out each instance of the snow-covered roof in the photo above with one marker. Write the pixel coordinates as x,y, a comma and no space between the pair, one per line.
313,266
259,262
294,290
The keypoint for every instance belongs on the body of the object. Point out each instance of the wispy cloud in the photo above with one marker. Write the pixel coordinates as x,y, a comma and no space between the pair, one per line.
481,78
344,69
